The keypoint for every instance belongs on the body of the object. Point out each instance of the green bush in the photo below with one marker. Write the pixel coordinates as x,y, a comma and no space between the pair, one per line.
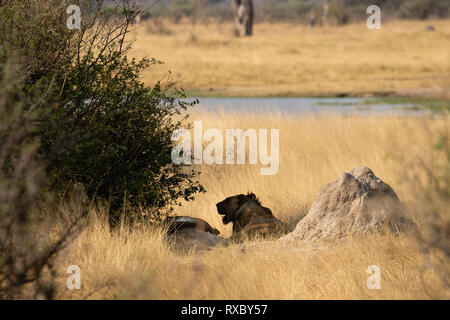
99,125
115,134
27,210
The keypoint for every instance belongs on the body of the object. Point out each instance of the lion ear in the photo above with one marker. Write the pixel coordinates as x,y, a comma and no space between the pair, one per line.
251,196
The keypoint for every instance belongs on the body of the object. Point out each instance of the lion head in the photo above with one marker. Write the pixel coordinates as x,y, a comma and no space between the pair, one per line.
231,205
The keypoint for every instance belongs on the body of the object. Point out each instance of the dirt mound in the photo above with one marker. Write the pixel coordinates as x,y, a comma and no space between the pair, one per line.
355,203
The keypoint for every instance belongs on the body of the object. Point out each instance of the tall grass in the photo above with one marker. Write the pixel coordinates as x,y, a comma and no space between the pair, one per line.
313,151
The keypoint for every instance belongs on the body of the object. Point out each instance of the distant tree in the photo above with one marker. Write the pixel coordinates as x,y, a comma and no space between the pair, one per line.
244,16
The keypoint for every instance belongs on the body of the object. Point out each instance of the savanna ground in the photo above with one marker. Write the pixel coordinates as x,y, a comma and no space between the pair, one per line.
293,60
406,152
313,151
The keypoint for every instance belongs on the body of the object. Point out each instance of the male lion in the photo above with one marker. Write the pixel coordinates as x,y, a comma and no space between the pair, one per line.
250,219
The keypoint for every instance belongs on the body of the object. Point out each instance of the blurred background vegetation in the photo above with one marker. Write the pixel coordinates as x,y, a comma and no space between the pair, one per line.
339,11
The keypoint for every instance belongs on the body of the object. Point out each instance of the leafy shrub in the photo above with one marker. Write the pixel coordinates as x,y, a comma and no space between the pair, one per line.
116,135
26,209
99,125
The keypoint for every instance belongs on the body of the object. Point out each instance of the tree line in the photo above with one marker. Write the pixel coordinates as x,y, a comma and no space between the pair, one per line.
338,11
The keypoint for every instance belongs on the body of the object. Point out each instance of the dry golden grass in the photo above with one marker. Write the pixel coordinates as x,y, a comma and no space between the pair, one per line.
285,59
313,151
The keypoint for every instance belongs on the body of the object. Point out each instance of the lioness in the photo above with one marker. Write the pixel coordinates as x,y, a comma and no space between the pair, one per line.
192,233
249,217
178,223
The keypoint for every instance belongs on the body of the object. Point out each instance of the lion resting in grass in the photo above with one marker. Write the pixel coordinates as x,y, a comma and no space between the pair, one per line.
189,233
178,223
250,219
